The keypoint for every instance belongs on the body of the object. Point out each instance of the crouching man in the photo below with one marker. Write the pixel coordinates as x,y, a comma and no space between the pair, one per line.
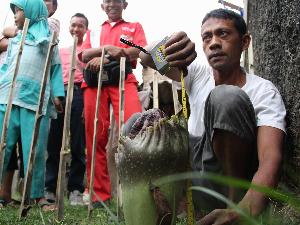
237,121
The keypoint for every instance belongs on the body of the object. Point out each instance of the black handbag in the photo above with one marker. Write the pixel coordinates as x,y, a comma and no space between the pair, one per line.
110,76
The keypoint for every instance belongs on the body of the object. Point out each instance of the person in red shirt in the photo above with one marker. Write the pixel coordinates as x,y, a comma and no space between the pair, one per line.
114,28
78,27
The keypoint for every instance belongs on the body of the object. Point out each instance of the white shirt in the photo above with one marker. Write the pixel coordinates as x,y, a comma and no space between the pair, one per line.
266,99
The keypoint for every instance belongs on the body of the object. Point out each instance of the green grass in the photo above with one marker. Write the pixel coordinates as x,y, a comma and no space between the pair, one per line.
276,214
73,216
283,210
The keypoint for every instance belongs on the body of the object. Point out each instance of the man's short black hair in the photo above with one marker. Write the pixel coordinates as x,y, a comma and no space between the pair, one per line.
227,14
82,16
54,2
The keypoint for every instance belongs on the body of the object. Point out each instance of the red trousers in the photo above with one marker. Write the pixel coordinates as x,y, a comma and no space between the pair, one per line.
109,95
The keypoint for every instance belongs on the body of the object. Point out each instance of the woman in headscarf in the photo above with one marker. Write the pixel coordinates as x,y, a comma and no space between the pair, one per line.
27,89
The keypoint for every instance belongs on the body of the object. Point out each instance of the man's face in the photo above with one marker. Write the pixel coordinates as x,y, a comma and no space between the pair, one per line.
78,27
222,43
114,9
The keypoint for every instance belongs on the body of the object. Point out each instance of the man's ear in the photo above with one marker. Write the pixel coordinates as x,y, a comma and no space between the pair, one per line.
246,39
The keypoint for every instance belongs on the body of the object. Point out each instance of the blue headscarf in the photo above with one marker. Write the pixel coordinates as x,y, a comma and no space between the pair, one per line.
37,12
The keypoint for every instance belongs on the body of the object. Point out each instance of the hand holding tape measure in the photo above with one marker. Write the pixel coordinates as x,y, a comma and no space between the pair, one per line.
176,50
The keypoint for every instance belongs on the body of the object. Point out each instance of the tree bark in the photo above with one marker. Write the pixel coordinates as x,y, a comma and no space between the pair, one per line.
275,29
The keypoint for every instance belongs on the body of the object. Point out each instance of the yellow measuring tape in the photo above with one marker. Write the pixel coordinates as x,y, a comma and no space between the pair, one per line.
183,97
189,198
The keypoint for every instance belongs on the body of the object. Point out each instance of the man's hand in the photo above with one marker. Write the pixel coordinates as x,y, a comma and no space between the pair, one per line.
220,217
180,50
180,53
58,105
10,32
3,43
94,64
115,52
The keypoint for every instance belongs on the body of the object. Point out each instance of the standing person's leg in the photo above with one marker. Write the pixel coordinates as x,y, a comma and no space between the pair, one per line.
13,134
77,169
38,173
102,181
6,189
14,164
53,149
20,158
131,104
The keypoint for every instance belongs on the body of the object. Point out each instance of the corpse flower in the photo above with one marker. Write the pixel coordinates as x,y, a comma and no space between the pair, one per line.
155,147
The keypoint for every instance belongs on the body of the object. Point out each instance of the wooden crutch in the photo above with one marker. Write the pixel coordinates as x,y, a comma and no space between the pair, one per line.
91,185
10,99
155,90
121,96
175,98
65,150
121,121
38,117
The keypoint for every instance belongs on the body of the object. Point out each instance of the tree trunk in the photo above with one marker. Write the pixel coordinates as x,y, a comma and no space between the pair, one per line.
275,29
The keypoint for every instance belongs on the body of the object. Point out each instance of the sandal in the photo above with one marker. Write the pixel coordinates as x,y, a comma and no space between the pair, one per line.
45,205
3,203
14,203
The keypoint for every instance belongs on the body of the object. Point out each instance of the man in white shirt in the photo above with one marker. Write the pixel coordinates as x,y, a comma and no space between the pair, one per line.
237,121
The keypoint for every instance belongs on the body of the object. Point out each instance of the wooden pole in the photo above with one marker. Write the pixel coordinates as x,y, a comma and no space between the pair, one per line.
155,91
65,148
248,59
175,98
122,93
10,99
111,149
38,117
121,123
91,185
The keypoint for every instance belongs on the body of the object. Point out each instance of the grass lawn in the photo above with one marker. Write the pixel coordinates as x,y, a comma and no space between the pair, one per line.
73,216
78,216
